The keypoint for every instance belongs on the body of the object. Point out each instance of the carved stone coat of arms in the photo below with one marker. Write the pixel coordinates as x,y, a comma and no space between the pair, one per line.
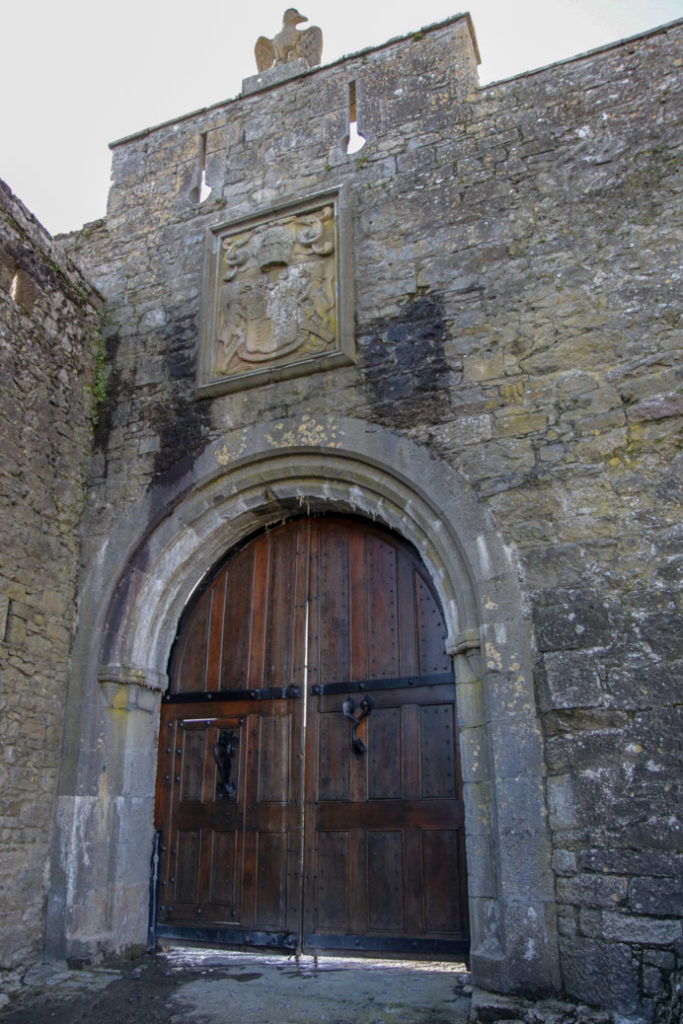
277,300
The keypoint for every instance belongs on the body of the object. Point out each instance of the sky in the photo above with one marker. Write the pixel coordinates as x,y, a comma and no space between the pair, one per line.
78,74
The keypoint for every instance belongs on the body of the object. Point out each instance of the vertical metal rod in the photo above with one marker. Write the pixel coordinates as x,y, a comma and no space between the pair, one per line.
154,893
302,782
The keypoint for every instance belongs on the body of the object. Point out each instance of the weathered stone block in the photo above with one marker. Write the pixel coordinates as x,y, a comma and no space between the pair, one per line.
625,861
593,749
659,622
570,620
564,862
519,424
470,703
592,890
566,921
658,958
474,754
640,683
656,407
601,973
562,803
653,981
522,856
643,930
657,896
513,761
485,367
571,679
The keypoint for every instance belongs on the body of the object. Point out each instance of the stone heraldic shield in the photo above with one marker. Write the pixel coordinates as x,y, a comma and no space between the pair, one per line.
277,295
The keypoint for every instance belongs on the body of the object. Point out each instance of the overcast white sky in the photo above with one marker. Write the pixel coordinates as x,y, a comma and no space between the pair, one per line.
77,74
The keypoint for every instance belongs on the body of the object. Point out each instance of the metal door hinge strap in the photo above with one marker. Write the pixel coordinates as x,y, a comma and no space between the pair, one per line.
387,944
228,936
264,693
394,683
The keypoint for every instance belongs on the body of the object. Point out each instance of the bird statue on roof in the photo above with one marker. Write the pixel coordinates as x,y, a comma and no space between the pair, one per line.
290,44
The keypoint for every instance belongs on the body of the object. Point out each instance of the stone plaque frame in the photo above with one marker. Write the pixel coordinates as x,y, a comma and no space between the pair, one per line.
277,295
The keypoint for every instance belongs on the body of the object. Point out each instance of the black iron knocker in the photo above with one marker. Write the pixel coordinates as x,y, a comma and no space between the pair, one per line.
365,707
223,753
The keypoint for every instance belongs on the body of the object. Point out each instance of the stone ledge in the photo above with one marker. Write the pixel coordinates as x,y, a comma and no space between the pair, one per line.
127,675
488,1007
274,76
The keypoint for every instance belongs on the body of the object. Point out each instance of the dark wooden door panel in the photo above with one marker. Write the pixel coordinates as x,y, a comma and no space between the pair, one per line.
408,814
377,821
230,862
225,890
245,627
443,877
411,743
337,609
385,757
385,880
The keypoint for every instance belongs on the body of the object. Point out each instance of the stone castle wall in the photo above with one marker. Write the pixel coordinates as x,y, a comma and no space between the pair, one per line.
49,337
517,320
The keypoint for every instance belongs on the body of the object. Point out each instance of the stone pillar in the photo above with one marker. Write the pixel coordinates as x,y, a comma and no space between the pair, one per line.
104,831
512,908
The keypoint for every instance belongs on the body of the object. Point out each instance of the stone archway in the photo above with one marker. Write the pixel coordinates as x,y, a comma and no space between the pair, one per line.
134,596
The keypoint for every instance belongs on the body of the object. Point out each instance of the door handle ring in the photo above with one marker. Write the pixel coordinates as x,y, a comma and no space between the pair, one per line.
223,752
365,707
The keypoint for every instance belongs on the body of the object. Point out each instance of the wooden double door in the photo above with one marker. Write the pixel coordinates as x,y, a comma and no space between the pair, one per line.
308,792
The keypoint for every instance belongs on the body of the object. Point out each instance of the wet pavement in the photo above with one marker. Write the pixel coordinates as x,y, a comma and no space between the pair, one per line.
215,987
